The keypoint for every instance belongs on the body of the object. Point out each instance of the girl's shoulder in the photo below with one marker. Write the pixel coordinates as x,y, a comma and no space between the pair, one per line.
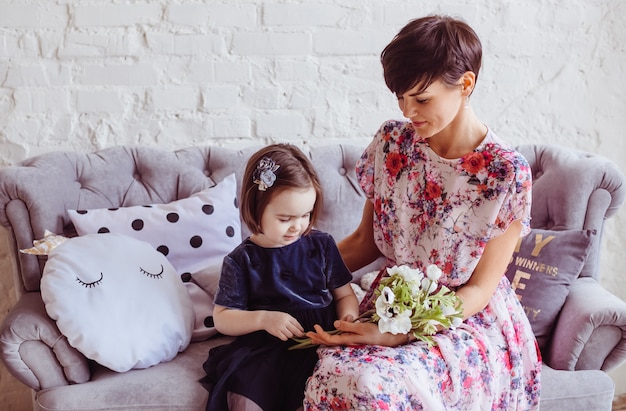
316,235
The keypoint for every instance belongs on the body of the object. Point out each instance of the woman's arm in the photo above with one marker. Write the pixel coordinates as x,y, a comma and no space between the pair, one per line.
230,321
359,249
476,293
346,303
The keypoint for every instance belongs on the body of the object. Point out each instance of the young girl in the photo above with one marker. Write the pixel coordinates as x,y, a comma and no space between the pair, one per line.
444,190
278,283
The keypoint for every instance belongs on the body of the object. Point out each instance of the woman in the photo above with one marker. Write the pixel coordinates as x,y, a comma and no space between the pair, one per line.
443,189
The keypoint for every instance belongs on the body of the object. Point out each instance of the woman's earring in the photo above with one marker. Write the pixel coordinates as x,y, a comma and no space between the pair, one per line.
467,102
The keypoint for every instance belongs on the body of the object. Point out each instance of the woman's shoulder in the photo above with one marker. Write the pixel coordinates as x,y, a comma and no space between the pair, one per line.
503,152
392,135
392,129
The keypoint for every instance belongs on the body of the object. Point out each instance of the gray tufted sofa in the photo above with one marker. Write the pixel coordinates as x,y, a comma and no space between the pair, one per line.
572,190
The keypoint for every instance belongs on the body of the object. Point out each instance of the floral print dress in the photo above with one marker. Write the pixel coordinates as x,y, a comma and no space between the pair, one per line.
431,210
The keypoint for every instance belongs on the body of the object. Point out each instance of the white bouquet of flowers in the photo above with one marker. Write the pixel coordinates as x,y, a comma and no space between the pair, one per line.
409,301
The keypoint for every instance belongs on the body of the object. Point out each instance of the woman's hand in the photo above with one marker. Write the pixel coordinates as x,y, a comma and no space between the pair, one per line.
356,333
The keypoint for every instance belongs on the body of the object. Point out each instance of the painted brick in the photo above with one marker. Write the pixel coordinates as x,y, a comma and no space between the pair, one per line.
175,98
18,46
14,393
289,69
117,15
99,101
47,16
42,74
281,125
185,72
141,74
240,16
112,44
6,103
232,127
263,97
213,15
49,44
195,15
26,130
30,45
262,43
9,46
312,14
341,42
53,101
183,44
232,71
220,97
304,97
192,130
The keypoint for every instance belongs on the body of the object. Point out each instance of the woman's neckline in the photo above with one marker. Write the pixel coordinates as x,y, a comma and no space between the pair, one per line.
480,144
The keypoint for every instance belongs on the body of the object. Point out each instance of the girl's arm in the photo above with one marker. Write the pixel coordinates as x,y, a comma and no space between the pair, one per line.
230,321
359,249
346,303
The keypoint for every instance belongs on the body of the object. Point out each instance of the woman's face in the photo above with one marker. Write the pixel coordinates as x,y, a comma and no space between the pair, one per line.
433,109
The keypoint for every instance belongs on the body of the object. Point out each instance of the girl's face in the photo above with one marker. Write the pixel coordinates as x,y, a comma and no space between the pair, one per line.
286,217
433,109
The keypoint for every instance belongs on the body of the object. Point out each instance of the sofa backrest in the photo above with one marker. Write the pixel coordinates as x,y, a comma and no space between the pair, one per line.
36,194
571,189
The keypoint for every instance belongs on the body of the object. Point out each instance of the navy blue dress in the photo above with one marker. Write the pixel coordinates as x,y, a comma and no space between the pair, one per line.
297,279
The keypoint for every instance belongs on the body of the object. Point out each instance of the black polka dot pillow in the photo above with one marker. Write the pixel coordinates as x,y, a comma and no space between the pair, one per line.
193,233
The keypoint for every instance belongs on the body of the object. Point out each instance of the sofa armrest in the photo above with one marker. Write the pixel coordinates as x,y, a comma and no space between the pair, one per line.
34,350
591,329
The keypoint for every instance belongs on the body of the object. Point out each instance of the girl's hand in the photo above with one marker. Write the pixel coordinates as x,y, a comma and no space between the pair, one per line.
282,325
356,333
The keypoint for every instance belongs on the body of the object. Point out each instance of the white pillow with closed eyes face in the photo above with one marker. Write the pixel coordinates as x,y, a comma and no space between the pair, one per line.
117,300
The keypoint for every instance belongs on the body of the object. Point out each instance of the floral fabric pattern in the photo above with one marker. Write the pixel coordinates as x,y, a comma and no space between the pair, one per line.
432,210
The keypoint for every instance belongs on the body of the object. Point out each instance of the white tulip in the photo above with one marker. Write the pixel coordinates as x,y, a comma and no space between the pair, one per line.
433,272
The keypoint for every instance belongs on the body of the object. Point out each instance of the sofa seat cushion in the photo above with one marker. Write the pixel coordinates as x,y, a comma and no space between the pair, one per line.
575,390
171,385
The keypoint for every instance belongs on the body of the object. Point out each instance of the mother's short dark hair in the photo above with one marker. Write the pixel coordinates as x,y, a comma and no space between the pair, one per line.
429,49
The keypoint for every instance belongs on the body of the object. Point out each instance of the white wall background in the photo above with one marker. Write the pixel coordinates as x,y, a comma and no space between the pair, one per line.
88,74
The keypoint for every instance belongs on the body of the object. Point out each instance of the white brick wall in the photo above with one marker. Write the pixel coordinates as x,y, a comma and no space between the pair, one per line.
82,75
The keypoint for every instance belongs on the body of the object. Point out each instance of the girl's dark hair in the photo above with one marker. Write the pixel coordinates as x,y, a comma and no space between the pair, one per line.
429,49
295,171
